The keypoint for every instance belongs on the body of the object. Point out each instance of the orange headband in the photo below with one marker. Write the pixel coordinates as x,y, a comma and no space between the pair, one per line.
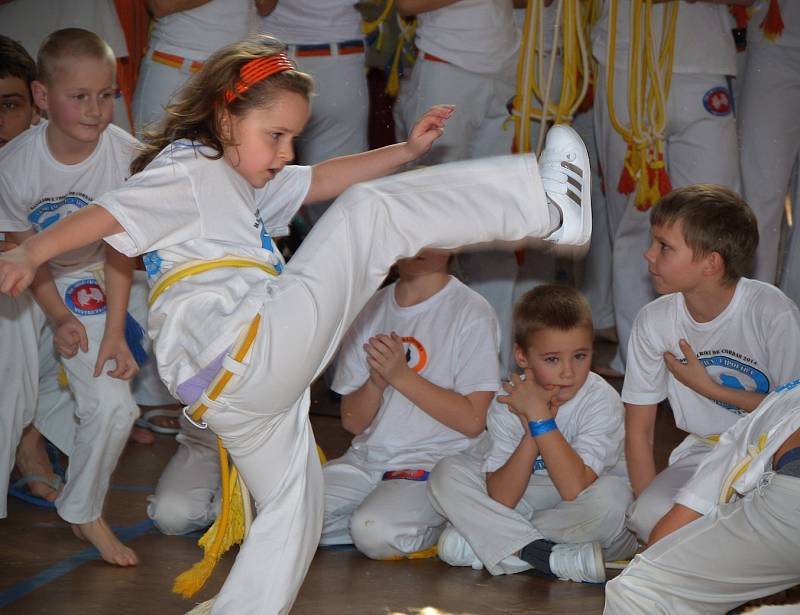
257,70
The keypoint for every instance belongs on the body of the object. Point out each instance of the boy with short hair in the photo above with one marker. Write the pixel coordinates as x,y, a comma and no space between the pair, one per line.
47,173
714,344
549,494
17,72
417,371
731,536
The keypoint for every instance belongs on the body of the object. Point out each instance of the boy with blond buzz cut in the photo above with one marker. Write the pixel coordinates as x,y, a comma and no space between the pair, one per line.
47,173
714,344
550,493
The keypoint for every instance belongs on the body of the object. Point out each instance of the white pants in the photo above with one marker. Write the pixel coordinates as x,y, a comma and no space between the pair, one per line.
496,532
739,552
381,518
339,112
105,410
262,416
700,147
770,145
155,87
657,499
187,497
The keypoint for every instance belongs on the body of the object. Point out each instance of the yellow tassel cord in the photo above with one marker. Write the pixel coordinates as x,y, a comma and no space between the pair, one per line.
727,491
650,75
404,52
424,554
534,83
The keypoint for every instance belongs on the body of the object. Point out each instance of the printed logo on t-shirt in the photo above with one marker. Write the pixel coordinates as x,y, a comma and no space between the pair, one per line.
266,241
152,263
538,465
734,374
85,297
717,101
50,209
788,386
416,355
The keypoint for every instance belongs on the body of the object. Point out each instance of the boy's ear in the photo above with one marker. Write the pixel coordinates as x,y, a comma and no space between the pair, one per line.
224,122
39,92
714,265
519,356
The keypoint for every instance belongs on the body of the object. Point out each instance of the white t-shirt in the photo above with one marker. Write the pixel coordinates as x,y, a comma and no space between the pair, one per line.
703,40
451,339
778,417
592,423
36,190
30,21
477,35
752,345
306,22
790,14
199,32
186,207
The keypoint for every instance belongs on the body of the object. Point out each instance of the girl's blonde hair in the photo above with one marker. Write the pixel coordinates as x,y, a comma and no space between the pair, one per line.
194,112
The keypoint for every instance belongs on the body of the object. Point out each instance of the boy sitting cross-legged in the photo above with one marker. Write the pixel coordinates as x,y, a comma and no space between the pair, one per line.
714,344
546,495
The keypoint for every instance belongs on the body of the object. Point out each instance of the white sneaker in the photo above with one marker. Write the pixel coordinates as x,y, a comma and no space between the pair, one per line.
455,550
578,562
566,176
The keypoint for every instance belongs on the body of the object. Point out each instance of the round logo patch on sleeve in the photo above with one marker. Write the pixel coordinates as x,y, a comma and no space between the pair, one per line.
85,297
717,101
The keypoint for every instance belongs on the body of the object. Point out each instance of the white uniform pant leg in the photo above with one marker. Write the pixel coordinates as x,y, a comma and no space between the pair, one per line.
597,514
346,486
156,85
276,455
770,143
106,412
339,112
395,519
187,497
457,489
657,499
739,552
19,374
790,277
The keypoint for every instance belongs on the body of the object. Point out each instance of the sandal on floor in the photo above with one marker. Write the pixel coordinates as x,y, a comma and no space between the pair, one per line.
146,421
20,490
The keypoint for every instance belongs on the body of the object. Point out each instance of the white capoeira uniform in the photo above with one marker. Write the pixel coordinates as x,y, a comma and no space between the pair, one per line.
741,550
262,415
179,44
752,346
701,142
30,21
592,423
451,340
467,57
771,135
326,41
104,406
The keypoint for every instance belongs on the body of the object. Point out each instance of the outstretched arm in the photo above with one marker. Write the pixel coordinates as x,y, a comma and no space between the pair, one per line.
678,516
334,176
18,267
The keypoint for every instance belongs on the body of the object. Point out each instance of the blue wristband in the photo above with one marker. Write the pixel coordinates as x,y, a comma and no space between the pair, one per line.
542,427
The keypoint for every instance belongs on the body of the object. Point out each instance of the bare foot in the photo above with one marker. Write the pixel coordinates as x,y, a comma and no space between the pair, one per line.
32,460
111,549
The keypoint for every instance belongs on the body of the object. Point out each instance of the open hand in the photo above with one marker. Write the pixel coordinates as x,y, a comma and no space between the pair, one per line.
386,356
693,373
17,270
114,348
428,128
528,400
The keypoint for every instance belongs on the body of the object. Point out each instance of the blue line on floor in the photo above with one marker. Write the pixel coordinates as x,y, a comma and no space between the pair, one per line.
59,569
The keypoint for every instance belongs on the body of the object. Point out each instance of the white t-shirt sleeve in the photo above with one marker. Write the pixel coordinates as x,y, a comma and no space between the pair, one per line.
281,198
600,436
12,210
645,372
506,432
783,341
476,364
156,207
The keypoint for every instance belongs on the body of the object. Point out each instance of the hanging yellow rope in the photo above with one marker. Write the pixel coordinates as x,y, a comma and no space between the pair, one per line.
404,53
536,70
649,77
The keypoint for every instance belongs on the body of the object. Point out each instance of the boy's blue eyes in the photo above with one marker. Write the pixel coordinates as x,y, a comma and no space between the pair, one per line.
579,356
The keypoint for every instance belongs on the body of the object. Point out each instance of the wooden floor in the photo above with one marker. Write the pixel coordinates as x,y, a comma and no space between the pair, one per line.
45,570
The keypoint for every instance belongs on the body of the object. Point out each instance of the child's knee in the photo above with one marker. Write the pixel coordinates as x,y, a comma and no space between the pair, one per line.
374,534
645,512
444,482
175,514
